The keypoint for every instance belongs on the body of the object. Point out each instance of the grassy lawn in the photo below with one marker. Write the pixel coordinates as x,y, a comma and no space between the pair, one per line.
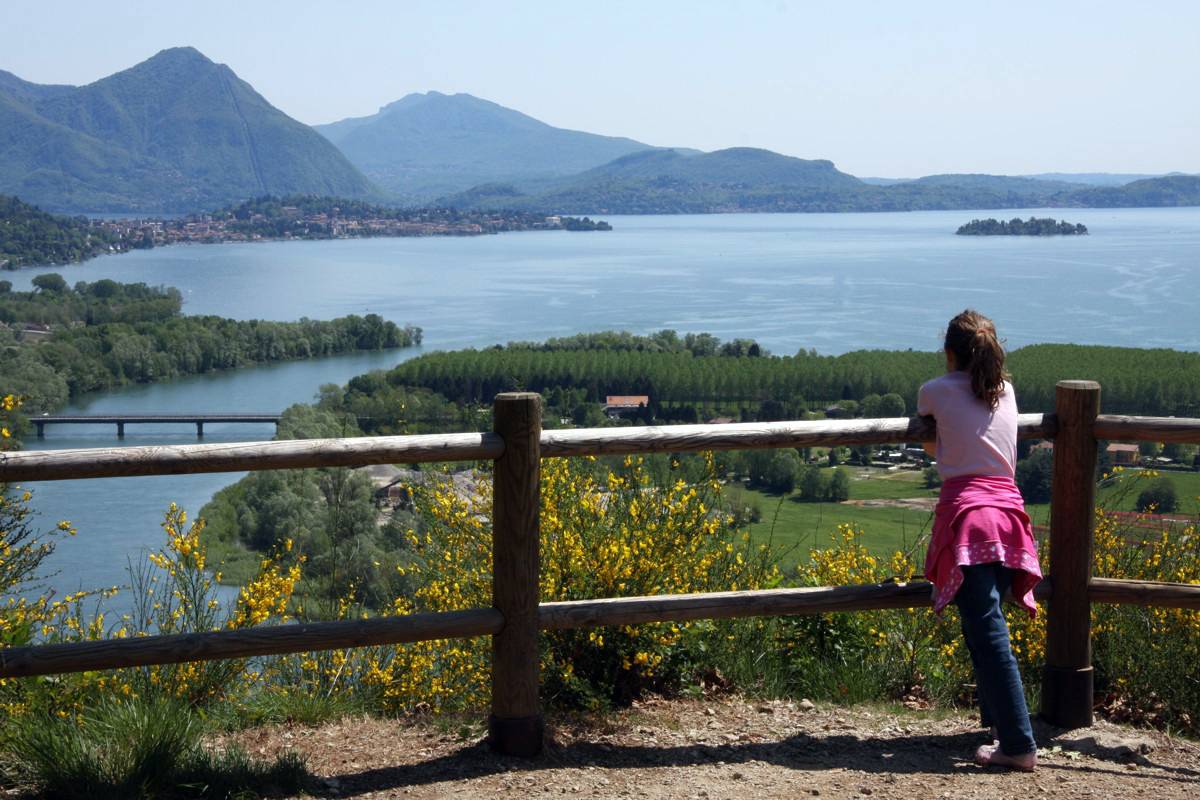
1121,494
795,527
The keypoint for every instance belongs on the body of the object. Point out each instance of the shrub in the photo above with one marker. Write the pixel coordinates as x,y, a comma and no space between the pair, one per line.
1159,497
615,535
1034,475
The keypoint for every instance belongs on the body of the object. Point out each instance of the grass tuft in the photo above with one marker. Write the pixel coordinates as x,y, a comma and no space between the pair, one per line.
139,748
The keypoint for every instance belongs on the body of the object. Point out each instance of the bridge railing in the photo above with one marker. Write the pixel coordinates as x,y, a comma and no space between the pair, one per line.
517,444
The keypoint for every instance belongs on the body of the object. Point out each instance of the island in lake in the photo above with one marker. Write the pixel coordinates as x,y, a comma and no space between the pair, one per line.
1021,227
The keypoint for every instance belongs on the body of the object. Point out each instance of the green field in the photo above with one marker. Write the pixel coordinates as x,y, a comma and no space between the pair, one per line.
1121,493
794,527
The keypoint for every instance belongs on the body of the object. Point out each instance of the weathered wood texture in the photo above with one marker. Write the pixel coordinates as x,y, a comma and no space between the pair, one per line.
1182,430
758,435
1144,593
105,462
516,727
725,605
18,662
1067,681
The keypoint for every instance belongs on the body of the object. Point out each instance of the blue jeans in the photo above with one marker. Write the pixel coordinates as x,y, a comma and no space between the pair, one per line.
1001,695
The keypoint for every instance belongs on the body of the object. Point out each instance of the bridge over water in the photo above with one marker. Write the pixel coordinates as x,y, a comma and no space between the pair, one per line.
121,420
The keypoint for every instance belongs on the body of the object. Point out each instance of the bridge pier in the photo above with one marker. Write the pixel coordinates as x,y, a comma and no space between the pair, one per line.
199,430
120,430
41,428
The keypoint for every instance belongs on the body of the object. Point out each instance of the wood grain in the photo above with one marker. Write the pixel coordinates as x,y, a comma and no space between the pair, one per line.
757,435
515,727
1067,683
1182,430
51,659
107,462
1144,593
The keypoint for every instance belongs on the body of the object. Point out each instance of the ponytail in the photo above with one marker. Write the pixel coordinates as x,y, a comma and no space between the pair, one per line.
971,337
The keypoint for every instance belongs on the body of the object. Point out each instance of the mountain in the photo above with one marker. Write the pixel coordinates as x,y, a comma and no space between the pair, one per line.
174,133
1094,178
426,145
1170,190
677,182
1030,188
751,180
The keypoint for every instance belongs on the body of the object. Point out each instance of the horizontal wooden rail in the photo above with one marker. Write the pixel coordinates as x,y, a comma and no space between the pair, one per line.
50,659
107,462
18,662
1181,430
727,605
1144,593
759,435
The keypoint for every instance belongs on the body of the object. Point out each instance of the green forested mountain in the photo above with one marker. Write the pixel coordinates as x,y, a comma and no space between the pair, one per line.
176,132
427,145
1031,189
674,182
751,180
29,235
1092,178
1170,190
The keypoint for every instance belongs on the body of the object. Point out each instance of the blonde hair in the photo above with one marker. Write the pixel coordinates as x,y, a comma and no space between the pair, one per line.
971,337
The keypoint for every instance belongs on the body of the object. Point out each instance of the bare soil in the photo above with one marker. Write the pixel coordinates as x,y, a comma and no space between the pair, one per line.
732,748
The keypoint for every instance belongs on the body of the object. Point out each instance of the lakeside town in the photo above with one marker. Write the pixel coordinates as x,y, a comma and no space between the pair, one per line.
269,219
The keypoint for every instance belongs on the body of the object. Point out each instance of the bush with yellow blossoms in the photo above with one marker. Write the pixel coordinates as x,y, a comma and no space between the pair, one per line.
1146,659
605,533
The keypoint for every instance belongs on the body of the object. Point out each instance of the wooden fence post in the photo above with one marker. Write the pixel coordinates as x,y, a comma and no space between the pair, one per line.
515,726
1067,679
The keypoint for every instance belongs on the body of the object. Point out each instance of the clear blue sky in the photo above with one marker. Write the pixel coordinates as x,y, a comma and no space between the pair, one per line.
881,88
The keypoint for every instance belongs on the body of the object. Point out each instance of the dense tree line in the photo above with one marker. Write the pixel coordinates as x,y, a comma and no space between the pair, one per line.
875,382
53,302
106,334
1019,227
29,235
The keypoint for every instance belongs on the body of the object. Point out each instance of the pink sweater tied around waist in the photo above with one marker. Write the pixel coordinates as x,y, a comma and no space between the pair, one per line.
981,519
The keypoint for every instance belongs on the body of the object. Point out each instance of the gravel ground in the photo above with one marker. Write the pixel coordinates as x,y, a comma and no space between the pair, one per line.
732,748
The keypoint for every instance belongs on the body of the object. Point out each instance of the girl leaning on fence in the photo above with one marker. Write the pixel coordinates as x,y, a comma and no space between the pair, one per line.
982,547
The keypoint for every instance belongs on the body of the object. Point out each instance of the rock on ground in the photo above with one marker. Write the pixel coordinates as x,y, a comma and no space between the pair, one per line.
731,748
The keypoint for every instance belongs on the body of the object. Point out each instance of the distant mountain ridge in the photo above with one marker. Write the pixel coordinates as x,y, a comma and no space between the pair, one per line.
176,132
750,180
426,145
179,133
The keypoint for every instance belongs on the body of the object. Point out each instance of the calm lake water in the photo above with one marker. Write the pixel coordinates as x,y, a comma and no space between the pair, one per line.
834,282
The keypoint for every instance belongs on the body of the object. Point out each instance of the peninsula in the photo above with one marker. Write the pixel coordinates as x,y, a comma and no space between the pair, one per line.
32,237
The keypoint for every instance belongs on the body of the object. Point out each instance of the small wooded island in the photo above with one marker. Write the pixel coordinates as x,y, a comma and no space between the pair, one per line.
1019,227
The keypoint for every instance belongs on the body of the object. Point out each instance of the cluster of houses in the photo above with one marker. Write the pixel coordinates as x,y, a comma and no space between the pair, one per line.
210,229
1119,454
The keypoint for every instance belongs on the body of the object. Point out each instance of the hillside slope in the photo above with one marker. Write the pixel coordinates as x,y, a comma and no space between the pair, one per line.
426,145
176,132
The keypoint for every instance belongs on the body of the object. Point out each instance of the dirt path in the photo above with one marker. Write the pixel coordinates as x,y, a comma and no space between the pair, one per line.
733,749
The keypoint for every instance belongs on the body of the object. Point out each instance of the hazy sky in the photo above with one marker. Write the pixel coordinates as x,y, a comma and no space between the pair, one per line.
881,88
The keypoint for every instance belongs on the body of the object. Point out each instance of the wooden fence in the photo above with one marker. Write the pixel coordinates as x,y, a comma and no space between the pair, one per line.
517,444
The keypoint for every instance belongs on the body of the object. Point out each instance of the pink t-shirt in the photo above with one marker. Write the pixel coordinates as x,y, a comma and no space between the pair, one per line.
971,438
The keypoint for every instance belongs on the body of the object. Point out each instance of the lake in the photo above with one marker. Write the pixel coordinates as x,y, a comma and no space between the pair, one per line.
833,282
